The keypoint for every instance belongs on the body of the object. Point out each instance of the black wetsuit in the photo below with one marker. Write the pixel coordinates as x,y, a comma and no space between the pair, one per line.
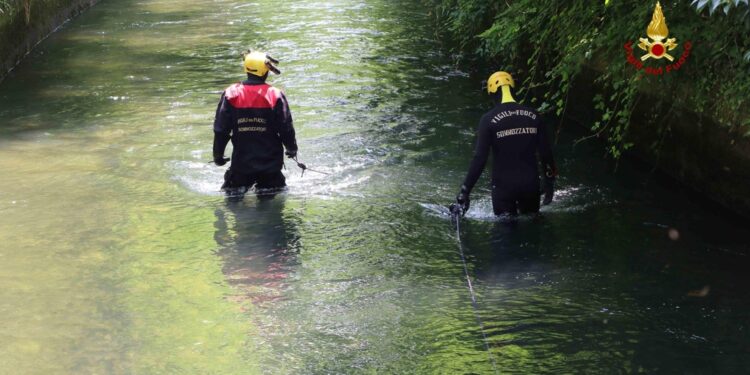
256,117
515,134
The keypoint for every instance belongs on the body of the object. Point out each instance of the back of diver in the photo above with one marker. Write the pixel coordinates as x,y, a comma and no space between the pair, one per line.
515,134
255,116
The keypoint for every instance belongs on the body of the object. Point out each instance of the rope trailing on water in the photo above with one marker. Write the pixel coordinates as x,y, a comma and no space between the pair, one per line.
304,168
456,214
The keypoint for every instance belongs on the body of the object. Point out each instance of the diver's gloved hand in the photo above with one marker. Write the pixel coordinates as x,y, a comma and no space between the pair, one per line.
220,160
462,199
291,154
548,189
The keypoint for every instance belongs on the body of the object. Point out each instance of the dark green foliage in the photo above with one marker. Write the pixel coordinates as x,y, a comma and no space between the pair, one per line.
550,45
4,6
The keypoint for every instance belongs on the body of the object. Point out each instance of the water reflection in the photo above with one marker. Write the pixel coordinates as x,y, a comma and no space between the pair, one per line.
258,247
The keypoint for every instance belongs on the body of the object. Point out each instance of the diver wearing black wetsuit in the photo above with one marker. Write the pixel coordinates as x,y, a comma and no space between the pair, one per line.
256,117
515,134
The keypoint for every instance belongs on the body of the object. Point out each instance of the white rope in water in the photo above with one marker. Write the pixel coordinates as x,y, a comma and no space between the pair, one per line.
457,218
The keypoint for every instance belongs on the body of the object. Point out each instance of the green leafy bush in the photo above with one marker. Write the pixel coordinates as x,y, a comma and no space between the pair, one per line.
5,6
713,5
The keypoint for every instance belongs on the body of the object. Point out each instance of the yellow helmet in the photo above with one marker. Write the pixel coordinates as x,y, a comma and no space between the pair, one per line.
259,63
497,80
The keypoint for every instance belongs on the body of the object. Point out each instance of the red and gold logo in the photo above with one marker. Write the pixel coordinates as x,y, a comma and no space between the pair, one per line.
657,31
657,46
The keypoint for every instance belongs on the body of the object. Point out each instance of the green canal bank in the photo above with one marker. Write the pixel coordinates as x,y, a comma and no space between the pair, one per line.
25,23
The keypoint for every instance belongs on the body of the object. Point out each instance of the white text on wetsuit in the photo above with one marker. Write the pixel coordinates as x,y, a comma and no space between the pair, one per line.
256,120
516,131
518,112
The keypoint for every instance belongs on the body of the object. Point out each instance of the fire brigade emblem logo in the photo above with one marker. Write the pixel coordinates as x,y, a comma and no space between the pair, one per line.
657,32
657,47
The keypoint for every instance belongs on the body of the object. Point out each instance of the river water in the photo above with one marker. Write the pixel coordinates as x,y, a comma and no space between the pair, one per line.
118,255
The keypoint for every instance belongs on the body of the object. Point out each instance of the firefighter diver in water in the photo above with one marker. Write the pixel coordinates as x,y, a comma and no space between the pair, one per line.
255,116
515,134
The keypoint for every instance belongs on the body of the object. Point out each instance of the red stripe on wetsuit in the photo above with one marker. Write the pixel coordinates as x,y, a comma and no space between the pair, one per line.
262,96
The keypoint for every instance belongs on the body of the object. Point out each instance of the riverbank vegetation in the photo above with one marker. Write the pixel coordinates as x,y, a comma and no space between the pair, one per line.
554,46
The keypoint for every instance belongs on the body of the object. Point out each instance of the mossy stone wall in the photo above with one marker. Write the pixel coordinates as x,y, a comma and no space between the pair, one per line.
24,23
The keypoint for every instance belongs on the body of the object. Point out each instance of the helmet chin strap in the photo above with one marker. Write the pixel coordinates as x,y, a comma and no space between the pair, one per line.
507,96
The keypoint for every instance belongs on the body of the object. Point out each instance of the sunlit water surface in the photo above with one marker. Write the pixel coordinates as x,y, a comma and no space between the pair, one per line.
118,254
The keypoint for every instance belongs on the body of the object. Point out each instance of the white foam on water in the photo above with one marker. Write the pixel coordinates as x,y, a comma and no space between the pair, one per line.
576,199
206,178
568,199
436,210
198,176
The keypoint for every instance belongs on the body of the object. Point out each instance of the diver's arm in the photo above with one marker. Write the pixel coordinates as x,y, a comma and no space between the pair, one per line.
545,151
481,152
222,129
549,169
286,126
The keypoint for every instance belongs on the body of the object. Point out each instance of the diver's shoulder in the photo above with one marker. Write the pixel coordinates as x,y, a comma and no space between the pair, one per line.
233,90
